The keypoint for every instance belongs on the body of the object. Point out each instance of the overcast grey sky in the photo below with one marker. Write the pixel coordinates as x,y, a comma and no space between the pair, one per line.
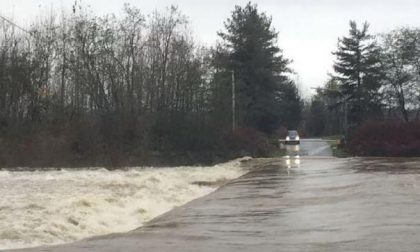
308,29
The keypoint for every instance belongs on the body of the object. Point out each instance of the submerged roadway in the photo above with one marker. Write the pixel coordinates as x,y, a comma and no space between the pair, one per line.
307,201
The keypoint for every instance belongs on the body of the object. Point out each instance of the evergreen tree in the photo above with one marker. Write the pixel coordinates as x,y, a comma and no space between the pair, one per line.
289,105
359,73
250,44
316,117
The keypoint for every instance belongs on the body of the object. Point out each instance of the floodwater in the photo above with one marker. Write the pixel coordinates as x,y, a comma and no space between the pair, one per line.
296,203
309,147
48,207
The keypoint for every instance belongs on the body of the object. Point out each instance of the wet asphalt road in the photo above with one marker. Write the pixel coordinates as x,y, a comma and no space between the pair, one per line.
297,203
309,147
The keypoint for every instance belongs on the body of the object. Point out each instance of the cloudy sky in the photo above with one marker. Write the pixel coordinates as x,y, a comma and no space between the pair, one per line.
308,29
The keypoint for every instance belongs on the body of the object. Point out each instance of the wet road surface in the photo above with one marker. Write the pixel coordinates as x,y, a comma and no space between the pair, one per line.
309,147
308,203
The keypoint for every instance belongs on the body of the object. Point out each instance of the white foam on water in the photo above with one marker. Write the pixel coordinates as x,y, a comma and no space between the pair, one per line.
53,207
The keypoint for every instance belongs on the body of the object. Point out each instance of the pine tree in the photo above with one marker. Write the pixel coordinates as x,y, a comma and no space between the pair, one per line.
259,66
359,73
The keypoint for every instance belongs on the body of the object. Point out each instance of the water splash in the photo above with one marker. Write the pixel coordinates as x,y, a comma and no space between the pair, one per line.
53,207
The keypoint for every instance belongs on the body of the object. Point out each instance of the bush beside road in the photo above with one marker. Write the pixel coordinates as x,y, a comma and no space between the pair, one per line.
387,138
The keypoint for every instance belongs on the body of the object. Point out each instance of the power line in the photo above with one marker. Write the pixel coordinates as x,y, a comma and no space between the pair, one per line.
14,24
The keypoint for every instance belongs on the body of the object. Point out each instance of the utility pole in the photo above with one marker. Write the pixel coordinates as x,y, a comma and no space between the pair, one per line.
233,102
345,120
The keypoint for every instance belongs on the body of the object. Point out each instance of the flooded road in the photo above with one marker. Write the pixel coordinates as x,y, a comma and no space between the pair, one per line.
297,203
51,207
309,147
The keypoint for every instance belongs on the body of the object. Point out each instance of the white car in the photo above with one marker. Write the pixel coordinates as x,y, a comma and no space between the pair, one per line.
292,137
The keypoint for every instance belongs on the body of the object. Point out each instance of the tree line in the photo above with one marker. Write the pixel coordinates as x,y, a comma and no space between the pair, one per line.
376,77
84,89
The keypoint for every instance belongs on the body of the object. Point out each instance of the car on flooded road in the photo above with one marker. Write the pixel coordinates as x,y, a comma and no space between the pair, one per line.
292,137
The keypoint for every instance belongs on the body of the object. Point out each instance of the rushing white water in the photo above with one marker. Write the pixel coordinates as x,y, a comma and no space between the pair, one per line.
52,207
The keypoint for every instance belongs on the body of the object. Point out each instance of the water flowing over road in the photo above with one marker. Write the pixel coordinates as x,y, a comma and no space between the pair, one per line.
60,206
309,147
296,203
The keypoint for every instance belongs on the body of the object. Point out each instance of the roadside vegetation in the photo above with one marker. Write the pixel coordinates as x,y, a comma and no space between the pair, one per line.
338,146
386,138
372,99
83,90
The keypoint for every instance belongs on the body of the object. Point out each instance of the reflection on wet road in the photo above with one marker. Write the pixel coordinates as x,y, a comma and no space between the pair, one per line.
297,203
309,147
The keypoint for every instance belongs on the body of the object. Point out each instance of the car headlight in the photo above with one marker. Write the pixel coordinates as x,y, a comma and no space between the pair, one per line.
287,138
297,138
